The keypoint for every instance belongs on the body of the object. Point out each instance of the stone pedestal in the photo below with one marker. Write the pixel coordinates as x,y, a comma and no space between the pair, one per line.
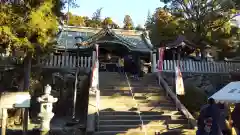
45,121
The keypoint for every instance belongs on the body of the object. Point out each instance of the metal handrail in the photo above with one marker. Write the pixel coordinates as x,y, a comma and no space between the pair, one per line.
75,94
139,112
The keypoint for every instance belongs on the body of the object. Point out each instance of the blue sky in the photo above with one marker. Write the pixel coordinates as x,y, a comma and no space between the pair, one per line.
137,9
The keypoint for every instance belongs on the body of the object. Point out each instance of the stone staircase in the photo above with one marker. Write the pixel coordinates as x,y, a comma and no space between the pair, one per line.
124,111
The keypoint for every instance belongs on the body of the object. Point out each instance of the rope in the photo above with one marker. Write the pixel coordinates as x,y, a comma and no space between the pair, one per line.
139,112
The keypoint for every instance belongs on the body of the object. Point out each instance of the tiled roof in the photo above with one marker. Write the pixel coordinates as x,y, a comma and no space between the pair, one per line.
135,40
178,42
68,37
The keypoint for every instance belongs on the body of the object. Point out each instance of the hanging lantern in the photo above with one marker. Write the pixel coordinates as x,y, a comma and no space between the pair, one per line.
109,56
79,40
207,50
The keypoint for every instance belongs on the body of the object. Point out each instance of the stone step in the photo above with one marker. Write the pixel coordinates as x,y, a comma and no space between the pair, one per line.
133,107
126,107
161,101
129,113
138,122
175,115
152,89
164,132
156,104
179,126
128,99
117,83
140,128
124,133
139,104
130,122
118,100
134,117
129,93
178,121
130,127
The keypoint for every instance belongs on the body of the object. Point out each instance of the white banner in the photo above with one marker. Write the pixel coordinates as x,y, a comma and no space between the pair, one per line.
95,75
160,58
95,70
179,82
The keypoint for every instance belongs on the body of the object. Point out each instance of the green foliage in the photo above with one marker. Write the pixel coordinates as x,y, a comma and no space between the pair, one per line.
84,21
96,18
163,27
107,22
128,23
70,3
193,99
75,20
29,24
204,21
139,27
149,21
205,18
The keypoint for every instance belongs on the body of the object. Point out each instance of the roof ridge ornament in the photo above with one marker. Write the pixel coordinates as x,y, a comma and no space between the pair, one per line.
109,26
146,34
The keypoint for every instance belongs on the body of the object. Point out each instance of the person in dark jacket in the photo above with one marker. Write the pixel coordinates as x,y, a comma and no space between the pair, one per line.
208,120
126,64
224,116
134,70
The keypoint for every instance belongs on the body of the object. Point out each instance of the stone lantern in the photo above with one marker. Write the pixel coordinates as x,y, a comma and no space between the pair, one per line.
208,54
46,105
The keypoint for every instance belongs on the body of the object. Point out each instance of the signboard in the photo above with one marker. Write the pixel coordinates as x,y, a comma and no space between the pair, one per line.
10,100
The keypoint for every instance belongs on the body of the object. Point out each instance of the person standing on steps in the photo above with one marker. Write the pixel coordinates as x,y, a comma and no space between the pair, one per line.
121,65
208,120
134,70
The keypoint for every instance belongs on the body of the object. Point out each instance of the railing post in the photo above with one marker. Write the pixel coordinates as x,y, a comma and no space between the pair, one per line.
154,60
93,57
75,95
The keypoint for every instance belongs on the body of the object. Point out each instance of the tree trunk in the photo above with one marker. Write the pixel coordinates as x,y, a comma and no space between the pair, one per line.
27,71
26,85
22,114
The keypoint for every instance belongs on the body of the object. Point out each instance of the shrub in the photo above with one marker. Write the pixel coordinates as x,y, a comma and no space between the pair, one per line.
193,99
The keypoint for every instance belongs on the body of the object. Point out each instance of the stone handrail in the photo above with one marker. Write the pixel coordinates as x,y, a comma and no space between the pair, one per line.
94,95
179,105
